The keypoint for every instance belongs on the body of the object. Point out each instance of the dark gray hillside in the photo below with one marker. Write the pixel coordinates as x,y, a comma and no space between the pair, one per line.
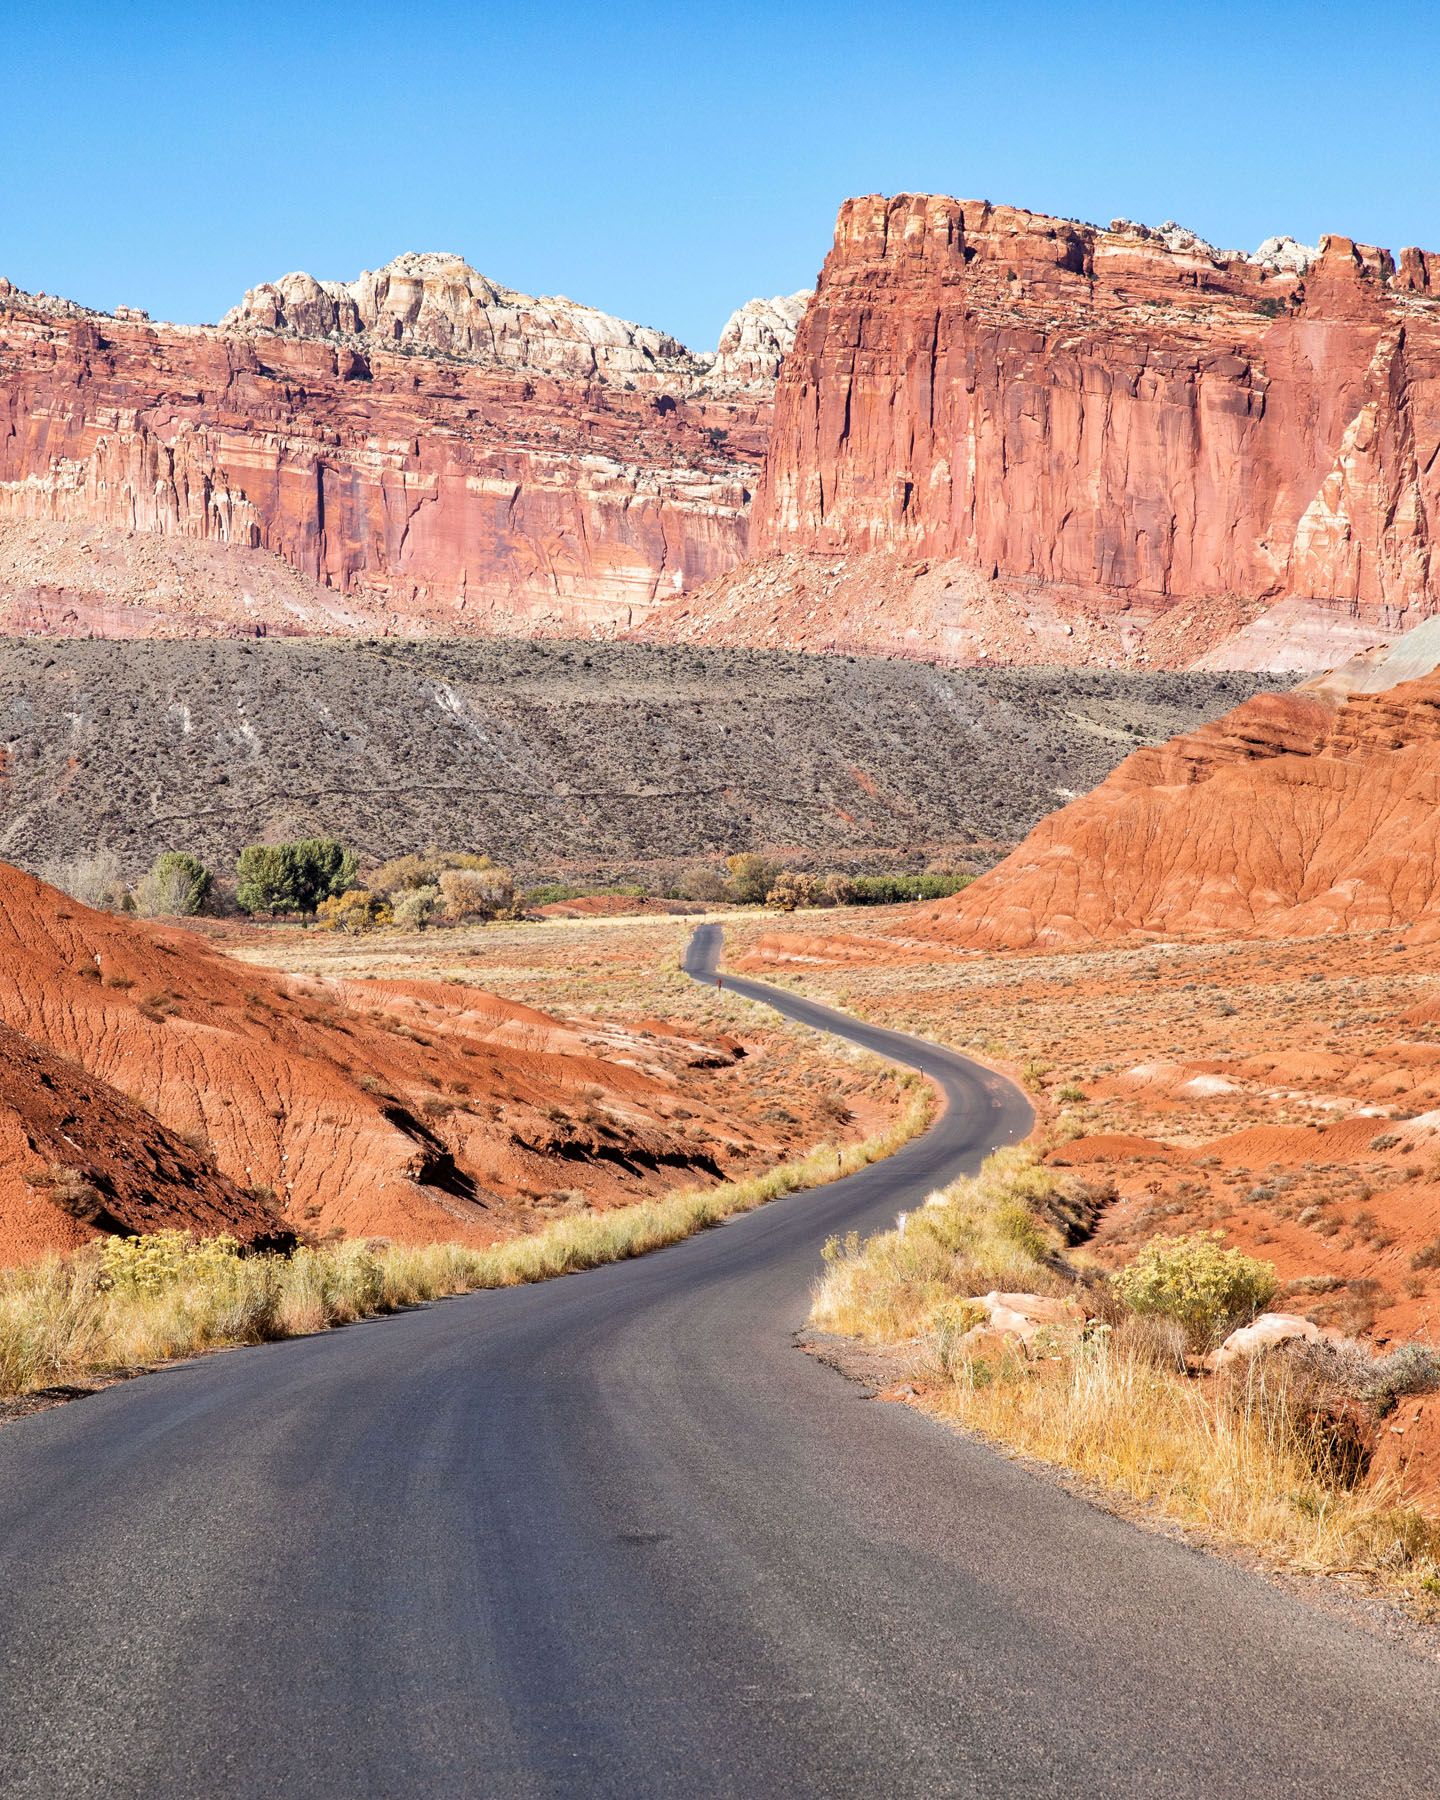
595,758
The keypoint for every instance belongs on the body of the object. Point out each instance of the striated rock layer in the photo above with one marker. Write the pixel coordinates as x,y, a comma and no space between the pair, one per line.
147,1079
420,451
1308,812
1099,430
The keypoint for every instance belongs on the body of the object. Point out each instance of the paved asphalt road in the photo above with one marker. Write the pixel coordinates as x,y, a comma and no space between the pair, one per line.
615,1536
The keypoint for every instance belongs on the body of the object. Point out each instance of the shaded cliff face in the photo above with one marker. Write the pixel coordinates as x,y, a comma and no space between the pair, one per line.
1037,417
420,450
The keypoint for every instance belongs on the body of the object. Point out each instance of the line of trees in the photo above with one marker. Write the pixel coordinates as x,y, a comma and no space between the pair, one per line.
320,878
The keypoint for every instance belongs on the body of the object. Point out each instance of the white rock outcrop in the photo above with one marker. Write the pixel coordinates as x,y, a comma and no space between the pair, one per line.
1285,255
1021,1319
437,304
757,338
1263,1334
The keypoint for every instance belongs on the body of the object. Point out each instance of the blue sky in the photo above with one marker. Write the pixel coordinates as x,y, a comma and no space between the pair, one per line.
667,162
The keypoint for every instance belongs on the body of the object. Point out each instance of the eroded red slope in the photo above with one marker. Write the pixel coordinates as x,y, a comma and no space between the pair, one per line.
77,1160
1296,813
417,1111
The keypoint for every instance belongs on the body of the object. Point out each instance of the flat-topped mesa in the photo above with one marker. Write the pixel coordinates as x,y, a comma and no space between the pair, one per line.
960,234
437,305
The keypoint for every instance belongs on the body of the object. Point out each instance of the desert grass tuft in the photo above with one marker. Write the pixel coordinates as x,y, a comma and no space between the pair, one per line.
1264,1457
126,1303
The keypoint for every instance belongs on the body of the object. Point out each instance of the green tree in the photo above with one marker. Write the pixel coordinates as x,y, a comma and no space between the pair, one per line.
266,879
293,878
176,885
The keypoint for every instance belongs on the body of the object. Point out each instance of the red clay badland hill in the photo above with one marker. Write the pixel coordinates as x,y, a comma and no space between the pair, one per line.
1308,812
1012,437
412,1110
78,1158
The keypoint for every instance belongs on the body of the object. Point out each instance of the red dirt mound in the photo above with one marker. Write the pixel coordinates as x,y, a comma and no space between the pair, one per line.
1295,814
413,1110
78,1159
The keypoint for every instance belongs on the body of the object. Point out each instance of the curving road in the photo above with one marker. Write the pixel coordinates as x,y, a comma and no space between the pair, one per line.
614,1536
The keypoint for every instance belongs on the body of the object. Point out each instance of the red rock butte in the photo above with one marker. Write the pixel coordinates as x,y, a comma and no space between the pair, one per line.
1005,434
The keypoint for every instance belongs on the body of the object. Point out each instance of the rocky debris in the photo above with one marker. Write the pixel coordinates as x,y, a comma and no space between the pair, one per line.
938,406
1263,1333
1031,1321
601,759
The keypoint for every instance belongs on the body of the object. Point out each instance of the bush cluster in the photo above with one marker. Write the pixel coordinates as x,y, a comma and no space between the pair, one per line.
754,880
1206,1289
320,878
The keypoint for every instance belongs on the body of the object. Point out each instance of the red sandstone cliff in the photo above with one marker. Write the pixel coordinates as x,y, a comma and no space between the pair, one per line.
418,450
1010,435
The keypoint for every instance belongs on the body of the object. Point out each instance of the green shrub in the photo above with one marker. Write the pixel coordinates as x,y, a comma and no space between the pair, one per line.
892,890
413,907
551,893
1205,1289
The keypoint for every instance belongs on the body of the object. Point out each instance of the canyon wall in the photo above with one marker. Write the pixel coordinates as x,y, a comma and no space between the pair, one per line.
1010,435
998,436
420,450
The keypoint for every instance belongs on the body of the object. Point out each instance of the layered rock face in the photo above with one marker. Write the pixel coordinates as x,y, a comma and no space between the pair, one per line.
1308,812
426,450
1124,426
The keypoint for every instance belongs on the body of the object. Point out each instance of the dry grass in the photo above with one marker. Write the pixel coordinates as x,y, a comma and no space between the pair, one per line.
1246,1460
1233,1462
106,1308
1185,1045
989,1231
